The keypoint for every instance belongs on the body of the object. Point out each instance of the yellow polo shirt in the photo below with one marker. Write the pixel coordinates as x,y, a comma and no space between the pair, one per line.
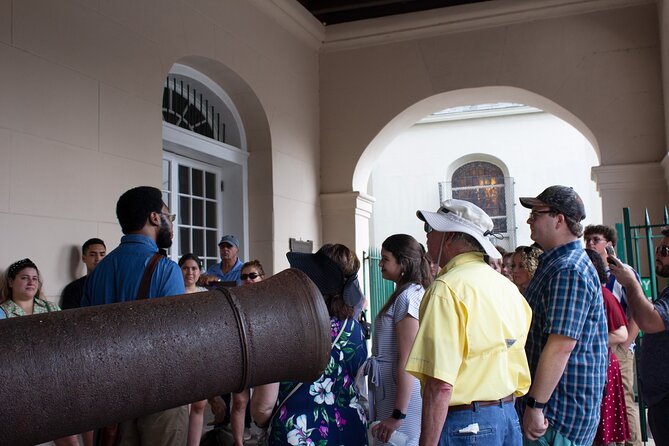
473,328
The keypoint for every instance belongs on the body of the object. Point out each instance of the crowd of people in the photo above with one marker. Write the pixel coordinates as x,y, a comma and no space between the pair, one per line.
480,346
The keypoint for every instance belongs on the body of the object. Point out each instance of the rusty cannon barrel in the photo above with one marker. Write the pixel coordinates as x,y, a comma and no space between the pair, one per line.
67,372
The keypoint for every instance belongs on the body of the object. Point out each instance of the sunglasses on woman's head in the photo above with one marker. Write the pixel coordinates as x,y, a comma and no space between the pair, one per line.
252,276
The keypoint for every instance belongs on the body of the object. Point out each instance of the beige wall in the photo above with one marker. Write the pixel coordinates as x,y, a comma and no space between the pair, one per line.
601,67
81,84
80,119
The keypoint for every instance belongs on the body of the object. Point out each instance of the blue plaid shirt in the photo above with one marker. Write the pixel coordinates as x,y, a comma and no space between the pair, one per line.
566,299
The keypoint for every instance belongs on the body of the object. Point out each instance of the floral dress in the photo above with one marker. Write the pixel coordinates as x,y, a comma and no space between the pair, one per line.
327,411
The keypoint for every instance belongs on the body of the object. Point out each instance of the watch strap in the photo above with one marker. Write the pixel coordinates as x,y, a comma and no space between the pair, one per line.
534,404
398,415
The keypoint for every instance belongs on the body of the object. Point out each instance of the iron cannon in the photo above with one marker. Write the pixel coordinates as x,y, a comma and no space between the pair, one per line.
71,371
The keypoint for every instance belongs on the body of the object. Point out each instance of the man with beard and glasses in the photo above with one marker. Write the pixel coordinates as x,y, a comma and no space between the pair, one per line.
147,227
653,319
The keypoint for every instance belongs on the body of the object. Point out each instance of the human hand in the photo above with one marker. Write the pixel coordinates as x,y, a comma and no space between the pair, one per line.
623,274
534,423
206,279
385,428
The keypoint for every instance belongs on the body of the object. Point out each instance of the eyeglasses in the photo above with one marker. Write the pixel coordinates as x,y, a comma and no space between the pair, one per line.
594,240
252,276
662,251
535,214
170,217
427,228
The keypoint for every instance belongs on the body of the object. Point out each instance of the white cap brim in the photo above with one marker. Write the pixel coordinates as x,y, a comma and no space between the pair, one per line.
449,222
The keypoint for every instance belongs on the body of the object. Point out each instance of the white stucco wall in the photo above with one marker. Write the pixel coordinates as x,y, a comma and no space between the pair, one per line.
80,119
537,150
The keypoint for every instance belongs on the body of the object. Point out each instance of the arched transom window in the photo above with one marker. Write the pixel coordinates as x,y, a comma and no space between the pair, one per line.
482,183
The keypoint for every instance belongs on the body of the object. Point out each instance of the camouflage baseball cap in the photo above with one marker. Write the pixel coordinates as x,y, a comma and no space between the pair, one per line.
561,198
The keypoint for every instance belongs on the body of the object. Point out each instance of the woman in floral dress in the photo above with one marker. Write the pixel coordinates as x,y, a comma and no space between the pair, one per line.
326,411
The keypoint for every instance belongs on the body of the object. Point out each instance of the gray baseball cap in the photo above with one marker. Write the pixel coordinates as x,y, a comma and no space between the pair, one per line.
230,240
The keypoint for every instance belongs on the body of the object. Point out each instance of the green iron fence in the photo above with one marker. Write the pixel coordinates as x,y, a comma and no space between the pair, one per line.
637,251
379,288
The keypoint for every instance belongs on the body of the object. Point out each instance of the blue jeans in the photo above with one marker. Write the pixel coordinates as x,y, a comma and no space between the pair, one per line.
497,425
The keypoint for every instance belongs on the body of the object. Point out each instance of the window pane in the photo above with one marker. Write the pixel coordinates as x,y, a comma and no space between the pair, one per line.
198,180
482,183
184,180
198,242
478,173
184,240
212,244
210,185
211,214
184,210
198,212
210,263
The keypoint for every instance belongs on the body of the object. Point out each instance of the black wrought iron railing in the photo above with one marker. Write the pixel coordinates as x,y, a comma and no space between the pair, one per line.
189,109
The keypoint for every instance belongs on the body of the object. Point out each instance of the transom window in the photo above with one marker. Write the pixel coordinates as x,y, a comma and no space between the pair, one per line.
482,183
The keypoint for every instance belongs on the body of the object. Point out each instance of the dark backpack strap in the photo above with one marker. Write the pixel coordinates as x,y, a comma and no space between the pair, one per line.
143,292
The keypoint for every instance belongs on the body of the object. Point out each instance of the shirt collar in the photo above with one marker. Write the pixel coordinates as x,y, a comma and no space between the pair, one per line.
461,259
141,239
13,309
560,250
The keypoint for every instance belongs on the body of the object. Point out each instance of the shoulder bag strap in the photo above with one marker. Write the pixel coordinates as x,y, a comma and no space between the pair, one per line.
143,291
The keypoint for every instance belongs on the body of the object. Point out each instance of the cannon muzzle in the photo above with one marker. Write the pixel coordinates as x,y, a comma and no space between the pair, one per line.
71,371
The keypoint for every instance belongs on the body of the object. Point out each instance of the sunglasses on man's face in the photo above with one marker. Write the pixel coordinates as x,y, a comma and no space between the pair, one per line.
252,276
662,251
427,228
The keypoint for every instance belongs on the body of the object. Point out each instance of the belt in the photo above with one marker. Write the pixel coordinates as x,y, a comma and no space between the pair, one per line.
474,405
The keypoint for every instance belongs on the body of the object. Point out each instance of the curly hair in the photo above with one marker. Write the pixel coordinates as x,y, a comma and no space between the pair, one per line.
608,232
529,258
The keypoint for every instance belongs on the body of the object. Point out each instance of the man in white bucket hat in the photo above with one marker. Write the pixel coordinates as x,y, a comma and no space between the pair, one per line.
469,352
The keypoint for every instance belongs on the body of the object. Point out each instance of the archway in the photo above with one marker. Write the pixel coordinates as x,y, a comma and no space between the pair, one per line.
239,198
414,113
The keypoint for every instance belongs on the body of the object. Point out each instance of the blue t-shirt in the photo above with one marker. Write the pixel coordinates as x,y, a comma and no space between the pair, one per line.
230,276
117,277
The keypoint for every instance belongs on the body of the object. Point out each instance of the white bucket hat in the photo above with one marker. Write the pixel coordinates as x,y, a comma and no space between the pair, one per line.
462,216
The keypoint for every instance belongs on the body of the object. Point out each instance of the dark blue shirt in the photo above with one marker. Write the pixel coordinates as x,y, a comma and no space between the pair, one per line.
654,361
117,277
566,299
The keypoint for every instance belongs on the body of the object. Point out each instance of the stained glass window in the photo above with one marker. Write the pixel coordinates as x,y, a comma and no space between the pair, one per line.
482,183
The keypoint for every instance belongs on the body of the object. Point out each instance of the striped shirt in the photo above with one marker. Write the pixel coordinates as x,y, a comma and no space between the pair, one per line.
566,299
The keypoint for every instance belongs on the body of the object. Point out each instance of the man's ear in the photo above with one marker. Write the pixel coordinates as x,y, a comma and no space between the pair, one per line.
559,220
154,218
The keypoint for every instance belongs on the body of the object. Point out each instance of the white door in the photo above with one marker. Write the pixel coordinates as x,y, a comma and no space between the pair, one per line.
192,190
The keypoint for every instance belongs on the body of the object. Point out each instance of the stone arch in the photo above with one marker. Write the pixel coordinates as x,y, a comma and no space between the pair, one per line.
455,98
257,182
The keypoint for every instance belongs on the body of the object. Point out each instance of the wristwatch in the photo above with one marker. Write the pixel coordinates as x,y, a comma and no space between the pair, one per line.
534,404
398,415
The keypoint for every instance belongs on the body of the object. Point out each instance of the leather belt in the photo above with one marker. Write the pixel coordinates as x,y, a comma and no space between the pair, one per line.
475,404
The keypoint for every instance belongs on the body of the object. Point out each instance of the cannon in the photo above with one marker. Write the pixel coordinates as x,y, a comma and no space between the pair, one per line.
71,371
